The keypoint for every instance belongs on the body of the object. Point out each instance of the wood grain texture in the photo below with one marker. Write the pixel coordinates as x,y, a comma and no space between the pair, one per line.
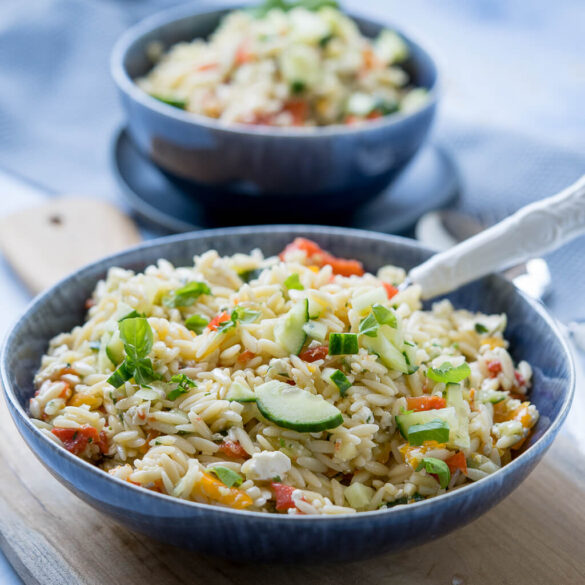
69,232
535,537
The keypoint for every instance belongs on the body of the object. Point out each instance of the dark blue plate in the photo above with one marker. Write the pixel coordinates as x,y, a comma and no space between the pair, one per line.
430,182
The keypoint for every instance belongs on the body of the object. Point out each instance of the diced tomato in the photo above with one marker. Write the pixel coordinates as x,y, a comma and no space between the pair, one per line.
519,379
207,67
494,368
246,356
89,303
243,54
374,115
102,442
369,58
76,440
233,449
298,110
289,382
318,257
457,461
66,392
217,320
283,495
391,291
351,119
314,353
420,403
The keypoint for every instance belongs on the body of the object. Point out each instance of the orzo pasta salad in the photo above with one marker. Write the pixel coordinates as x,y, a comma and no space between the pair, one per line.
301,63
297,384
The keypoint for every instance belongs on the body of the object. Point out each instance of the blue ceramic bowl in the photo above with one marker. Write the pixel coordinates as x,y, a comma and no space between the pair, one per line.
262,536
337,167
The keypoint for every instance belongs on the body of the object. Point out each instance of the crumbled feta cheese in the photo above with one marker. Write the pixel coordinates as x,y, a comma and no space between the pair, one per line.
267,465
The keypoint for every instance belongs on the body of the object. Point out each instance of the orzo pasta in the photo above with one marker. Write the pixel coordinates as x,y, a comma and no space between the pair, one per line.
295,384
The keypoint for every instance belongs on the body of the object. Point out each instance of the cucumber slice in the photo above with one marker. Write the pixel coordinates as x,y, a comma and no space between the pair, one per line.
289,330
493,396
459,436
239,392
359,495
115,349
343,344
364,301
315,330
408,419
390,356
291,407
316,308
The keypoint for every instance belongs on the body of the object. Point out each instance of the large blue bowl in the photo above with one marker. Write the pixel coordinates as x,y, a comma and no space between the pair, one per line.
328,168
262,536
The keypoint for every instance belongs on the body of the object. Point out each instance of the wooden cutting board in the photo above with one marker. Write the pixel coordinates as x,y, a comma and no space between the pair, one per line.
535,537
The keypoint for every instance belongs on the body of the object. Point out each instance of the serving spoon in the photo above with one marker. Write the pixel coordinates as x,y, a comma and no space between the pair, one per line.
532,231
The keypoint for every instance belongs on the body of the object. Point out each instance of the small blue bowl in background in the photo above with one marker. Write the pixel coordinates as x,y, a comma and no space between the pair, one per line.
329,168
252,536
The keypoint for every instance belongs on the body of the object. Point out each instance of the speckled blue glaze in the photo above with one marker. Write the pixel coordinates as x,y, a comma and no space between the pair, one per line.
260,536
341,165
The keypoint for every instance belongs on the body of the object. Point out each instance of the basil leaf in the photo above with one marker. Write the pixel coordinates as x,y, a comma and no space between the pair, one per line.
187,295
196,323
293,281
438,468
384,316
183,381
369,326
131,315
243,315
249,275
227,476
434,430
226,325
136,334
448,374
174,394
144,372
171,101
122,374
479,328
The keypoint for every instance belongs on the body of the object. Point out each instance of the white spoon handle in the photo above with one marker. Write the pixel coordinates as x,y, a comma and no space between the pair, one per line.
532,231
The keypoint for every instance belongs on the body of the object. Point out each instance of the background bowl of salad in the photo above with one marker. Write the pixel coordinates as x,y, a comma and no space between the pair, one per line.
281,103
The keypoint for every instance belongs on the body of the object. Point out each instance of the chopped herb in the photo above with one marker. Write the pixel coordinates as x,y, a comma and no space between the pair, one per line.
281,442
249,275
186,295
131,315
90,440
448,374
341,381
398,502
227,476
384,316
434,430
196,323
324,41
184,384
369,326
157,443
263,9
479,328
297,87
239,315
277,479
171,101
136,334
293,282
438,468
94,345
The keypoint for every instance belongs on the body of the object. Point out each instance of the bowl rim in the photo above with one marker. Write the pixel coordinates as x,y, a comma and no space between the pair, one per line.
295,230
168,16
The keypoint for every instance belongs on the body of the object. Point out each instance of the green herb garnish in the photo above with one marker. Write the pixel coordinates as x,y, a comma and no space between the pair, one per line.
227,476
136,334
196,323
186,295
248,275
263,9
436,467
449,374
479,328
171,101
294,282
184,384
297,87
380,315
239,315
